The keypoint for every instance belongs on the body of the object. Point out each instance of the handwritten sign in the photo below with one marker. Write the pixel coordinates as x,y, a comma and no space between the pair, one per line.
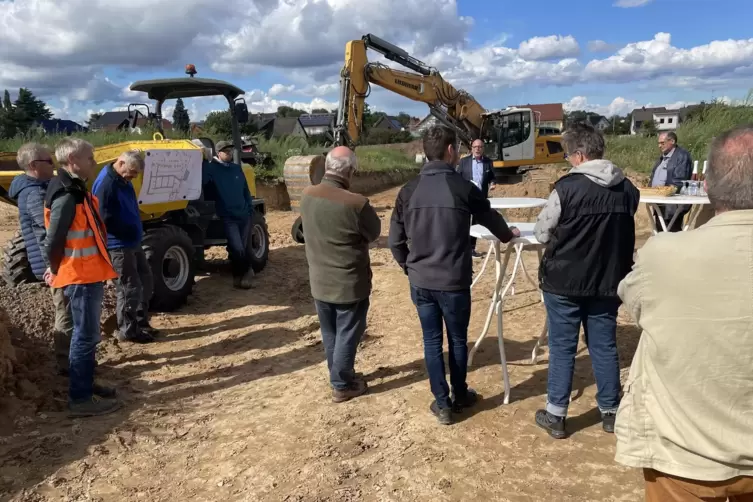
171,175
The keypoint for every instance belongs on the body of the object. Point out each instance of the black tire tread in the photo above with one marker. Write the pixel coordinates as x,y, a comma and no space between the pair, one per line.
156,241
259,264
16,268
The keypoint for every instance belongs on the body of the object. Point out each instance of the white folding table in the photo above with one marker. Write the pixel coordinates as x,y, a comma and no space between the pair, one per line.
652,206
526,241
502,203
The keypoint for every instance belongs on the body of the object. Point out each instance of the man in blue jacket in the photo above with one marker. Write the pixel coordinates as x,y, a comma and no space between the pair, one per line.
28,190
234,205
119,208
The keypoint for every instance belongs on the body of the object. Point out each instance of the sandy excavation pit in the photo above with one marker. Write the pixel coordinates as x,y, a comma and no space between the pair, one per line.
233,402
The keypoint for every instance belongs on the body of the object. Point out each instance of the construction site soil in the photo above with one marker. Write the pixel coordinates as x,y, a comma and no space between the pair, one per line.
233,402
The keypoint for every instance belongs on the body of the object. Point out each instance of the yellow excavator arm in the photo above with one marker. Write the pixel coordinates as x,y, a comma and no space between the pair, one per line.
454,108
511,134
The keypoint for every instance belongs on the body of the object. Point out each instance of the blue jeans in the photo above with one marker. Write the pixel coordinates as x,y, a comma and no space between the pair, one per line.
454,308
599,319
86,308
342,327
236,233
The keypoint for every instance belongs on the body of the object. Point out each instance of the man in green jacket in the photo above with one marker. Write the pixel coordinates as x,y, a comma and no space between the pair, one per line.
340,225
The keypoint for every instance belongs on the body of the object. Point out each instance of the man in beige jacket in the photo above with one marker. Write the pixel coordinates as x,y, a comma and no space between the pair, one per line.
686,417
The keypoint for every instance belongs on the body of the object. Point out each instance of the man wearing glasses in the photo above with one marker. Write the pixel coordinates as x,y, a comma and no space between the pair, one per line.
478,169
28,190
673,167
589,232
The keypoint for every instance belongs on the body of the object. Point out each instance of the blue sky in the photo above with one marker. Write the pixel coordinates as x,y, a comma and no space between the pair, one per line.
589,54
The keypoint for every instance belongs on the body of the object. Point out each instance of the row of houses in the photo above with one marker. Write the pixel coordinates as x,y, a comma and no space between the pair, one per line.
550,116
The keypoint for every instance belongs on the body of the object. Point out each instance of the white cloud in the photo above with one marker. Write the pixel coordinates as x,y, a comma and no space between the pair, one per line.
600,46
278,89
306,34
618,106
658,58
75,50
631,3
551,47
261,102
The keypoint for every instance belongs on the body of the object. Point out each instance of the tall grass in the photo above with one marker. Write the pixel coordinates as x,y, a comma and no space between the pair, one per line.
370,158
641,153
99,138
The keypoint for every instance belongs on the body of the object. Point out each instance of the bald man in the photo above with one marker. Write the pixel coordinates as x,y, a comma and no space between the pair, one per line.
479,169
339,227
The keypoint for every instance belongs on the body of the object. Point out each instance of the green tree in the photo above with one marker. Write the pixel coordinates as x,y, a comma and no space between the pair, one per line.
7,104
404,119
29,109
219,124
320,110
93,118
648,128
287,111
181,119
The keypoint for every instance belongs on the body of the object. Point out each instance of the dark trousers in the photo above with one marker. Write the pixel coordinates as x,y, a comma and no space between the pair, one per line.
343,326
599,319
134,287
236,232
86,308
63,328
668,214
454,309
473,239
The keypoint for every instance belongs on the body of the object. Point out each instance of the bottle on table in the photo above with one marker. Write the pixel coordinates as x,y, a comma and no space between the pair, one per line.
694,176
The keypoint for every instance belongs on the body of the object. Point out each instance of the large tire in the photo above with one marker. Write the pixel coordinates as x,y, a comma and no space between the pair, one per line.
15,267
257,244
297,231
170,253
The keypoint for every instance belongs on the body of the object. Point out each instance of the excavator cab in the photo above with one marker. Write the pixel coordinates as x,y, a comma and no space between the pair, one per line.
512,138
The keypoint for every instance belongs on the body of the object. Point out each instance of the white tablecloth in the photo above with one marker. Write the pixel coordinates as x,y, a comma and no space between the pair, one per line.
652,205
516,202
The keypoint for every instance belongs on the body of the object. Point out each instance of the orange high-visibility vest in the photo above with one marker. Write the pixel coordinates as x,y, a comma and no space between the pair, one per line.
86,259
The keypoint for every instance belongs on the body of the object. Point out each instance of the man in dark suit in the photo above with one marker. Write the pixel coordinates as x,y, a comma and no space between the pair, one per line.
478,169
673,167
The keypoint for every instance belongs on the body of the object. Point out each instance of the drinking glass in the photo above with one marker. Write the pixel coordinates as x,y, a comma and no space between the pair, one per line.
693,188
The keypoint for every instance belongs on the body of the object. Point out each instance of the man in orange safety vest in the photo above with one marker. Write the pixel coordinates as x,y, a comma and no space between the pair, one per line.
76,248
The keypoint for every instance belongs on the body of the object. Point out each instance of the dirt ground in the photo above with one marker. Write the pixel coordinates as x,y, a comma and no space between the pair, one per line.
233,403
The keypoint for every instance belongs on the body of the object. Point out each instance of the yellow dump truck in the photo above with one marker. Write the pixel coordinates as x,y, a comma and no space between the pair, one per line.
177,232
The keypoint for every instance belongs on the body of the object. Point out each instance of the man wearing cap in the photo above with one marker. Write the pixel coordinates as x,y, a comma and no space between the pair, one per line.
234,207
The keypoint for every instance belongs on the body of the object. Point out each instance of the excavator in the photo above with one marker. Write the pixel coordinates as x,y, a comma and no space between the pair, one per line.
511,135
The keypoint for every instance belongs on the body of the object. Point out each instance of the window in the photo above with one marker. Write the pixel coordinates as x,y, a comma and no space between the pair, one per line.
517,129
669,120
661,121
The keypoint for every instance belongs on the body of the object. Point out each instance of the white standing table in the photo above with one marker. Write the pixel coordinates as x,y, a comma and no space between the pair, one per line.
526,241
500,204
652,206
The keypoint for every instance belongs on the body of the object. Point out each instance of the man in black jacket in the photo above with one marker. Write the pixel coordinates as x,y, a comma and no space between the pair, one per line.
478,169
434,213
673,167
589,230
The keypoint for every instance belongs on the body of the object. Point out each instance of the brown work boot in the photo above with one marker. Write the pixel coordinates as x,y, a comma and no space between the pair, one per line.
94,406
247,278
357,388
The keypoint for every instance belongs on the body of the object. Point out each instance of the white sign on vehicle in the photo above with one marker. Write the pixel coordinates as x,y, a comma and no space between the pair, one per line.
171,175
